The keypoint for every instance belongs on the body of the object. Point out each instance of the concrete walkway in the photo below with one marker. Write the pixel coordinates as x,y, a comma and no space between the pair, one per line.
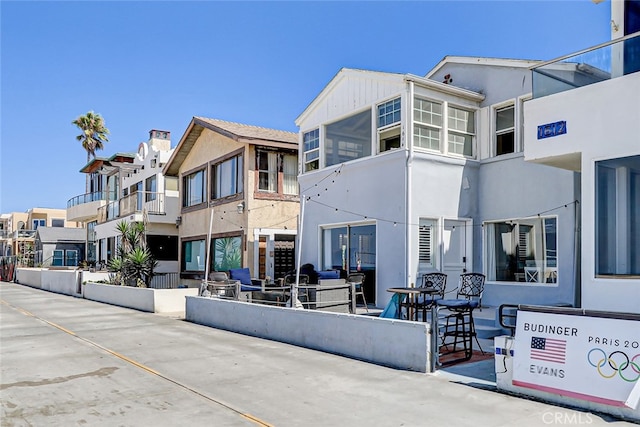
68,361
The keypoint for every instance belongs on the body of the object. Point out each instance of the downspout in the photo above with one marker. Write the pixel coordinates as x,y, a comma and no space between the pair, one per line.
577,245
408,132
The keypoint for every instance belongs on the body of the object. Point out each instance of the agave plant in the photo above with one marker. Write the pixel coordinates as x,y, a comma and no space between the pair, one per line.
134,263
139,265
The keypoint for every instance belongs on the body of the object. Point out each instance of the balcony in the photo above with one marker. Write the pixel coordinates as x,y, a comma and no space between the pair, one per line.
137,203
607,61
24,234
585,106
83,208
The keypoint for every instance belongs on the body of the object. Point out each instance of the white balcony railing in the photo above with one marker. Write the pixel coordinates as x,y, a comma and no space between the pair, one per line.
153,203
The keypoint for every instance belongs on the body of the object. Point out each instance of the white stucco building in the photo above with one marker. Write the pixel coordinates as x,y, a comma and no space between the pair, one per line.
585,117
404,175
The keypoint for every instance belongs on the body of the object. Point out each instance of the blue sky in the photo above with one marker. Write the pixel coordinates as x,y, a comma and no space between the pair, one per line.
154,65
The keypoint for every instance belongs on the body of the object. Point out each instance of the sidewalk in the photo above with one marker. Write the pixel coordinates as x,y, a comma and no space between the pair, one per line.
69,361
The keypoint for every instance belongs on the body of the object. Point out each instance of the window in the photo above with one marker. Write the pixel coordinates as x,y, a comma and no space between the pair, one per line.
274,167
58,258
151,188
193,255
389,125
39,223
57,222
290,174
137,190
461,131
162,247
523,250
227,253
427,116
350,248
311,143
617,217
426,240
348,139
193,189
505,130
71,257
227,178
267,171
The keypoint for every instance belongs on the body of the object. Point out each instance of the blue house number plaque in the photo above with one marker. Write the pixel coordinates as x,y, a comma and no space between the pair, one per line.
552,129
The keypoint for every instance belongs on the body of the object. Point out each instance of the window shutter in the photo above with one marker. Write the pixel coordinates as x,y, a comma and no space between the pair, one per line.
425,251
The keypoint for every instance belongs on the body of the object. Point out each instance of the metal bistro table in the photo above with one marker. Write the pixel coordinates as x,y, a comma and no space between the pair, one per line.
411,293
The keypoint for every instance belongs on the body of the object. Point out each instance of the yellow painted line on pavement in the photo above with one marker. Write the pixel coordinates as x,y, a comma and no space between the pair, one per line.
139,365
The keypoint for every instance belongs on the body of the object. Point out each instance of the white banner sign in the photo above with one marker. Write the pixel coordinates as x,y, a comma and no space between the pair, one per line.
589,358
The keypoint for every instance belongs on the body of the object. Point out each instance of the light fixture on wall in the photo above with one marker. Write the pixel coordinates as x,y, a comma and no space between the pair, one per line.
240,207
178,221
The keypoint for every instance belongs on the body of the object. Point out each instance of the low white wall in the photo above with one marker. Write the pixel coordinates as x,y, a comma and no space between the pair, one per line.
65,282
504,378
96,276
143,299
395,343
172,300
29,276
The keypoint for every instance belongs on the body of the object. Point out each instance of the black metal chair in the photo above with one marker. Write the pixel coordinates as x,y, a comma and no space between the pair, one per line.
357,280
435,281
457,325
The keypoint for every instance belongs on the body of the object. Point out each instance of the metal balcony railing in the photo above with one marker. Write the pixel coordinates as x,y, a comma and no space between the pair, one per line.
24,234
91,197
154,203
606,61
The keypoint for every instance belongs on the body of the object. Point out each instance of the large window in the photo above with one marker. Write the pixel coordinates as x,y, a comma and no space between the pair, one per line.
193,255
348,139
505,130
162,247
193,189
274,167
290,174
389,125
350,248
617,217
267,171
461,131
523,250
311,143
427,116
39,223
151,188
227,253
227,177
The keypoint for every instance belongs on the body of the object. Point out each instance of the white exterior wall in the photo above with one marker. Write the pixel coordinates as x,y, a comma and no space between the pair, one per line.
603,122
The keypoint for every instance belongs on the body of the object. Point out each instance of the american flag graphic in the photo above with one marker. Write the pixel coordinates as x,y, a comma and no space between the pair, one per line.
548,349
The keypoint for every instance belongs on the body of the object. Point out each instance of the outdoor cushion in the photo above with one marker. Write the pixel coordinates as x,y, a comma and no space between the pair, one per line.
457,303
241,274
328,274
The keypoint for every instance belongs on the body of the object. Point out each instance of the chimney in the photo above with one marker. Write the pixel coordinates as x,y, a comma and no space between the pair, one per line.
160,139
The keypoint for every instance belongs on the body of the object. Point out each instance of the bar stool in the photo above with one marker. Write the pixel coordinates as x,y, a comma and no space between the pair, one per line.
458,326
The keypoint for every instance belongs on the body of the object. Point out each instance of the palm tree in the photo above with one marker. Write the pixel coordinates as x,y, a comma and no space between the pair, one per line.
93,136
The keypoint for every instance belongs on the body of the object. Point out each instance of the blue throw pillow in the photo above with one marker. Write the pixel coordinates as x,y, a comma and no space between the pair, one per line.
328,274
241,274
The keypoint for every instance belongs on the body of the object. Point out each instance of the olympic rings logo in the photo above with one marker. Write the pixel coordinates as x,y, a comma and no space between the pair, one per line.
616,362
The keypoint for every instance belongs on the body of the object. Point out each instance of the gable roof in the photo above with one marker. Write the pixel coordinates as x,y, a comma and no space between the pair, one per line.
61,234
477,60
238,132
388,77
